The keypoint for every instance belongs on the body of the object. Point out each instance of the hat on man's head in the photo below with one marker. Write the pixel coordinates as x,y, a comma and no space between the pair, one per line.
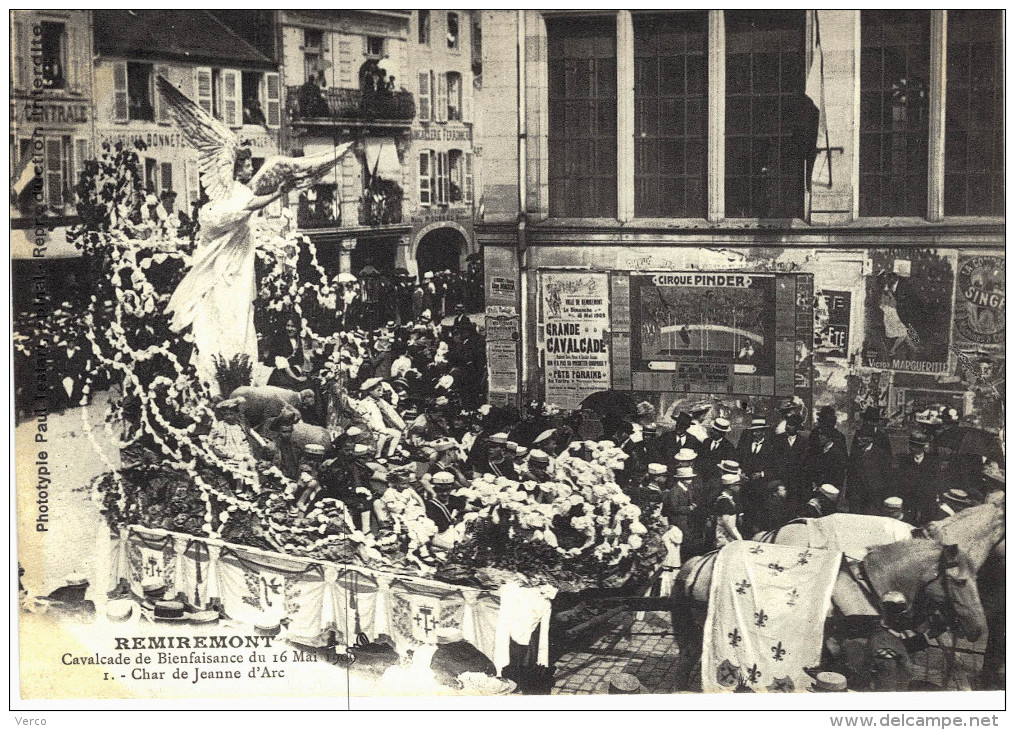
362,449
684,472
443,477
828,682
645,409
919,438
958,496
370,383
729,466
353,431
685,454
787,405
428,275
499,438
545,436
757,424
794,419
511,446
657,469
682,421
826,416
729,479
893,504
828,490
538,456
721,425
313,449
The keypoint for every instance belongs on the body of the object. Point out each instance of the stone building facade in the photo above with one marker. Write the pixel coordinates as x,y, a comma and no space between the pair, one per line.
746,207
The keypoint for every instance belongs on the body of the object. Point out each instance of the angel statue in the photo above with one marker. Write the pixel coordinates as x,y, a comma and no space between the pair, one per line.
216,297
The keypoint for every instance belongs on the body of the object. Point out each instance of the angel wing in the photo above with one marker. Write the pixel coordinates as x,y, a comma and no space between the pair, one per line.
215,142
296,172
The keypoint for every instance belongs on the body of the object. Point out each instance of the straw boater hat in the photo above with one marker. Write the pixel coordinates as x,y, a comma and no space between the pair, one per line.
521,451
539,457
684,472
729,480
512,445
958,496
828,682
702,406
721,425
828,490
685,454
545,436
313,449
362,448
657,469
499,438
893,504
442,477
757,424
729,466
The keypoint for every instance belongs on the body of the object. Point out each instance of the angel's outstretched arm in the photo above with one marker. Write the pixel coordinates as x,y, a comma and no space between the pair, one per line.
261,201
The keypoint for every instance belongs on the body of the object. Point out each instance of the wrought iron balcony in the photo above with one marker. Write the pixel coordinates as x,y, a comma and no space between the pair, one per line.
349,106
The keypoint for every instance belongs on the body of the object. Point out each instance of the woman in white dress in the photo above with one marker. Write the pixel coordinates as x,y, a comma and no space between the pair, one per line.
895,329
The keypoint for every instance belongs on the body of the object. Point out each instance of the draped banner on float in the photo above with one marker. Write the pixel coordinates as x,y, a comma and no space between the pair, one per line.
319,598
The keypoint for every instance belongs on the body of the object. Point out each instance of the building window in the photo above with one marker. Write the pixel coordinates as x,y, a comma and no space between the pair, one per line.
319,207
424,27
423,98
894,86
375,46
670,115
454,96
54,55
974,126
139,92
456,163
442,178
313,52
582,70
425,178
253,109
765,147
453,31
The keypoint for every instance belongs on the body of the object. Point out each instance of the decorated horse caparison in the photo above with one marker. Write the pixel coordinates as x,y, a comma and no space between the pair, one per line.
936,571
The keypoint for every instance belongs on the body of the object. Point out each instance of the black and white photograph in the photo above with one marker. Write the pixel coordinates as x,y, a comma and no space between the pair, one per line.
509,359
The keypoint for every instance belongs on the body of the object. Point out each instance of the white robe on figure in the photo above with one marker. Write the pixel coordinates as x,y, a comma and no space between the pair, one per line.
216,297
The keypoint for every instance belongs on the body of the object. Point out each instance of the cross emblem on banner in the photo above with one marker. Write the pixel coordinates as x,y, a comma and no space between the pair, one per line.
426,620
152,568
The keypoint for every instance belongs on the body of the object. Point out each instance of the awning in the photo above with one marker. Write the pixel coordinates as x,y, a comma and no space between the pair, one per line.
382,158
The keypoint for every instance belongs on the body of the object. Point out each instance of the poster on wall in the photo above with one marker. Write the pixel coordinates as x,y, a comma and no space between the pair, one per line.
831,323
979,303
706,332
908,310
576,317
502,338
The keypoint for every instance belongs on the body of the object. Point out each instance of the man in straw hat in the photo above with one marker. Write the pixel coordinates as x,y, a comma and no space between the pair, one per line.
714,449
756,454
726,510
951,503
823,503
380,416
679,501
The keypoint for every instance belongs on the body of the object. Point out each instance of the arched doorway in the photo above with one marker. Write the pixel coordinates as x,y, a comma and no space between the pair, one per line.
440,249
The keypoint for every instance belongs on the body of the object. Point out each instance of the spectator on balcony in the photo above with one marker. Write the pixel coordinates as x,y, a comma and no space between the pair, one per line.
311,100
253,114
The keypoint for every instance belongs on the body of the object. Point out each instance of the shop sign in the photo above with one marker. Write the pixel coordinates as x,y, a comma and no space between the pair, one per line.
442,134
38,111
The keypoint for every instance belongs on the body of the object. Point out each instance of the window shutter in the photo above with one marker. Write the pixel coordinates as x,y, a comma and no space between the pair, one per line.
81,155
120,106
74,65
193,183
161,108
441,98
272,100
17,54
166,176
231,98
202,84
466,99
442,178
468,178
425,178
424,95
54,172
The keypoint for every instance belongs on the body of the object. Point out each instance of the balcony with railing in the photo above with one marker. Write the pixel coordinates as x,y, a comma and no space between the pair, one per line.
378,211
310,106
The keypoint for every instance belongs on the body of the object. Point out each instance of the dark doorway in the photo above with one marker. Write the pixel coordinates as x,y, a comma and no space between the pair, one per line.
440,249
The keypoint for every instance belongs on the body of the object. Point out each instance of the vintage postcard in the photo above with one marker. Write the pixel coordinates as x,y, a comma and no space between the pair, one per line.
492,356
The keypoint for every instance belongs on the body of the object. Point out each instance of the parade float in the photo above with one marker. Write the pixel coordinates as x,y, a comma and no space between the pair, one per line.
218,528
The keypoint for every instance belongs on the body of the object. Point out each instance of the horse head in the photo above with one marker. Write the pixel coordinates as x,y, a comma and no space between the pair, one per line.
934,578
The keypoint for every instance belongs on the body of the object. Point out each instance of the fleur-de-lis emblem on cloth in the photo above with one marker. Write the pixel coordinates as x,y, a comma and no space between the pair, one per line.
778,652
742,586
735,638
760,618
